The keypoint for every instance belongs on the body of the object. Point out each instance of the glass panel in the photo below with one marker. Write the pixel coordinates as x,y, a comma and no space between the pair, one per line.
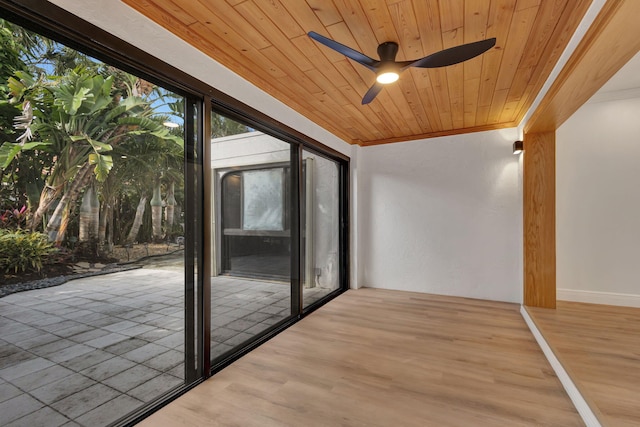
263,204
92,325
320,227
250,287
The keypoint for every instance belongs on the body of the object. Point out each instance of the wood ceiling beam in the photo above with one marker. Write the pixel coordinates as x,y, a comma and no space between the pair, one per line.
612,40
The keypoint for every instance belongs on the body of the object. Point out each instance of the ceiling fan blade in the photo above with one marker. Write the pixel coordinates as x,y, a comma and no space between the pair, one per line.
371,93
360,58
452,55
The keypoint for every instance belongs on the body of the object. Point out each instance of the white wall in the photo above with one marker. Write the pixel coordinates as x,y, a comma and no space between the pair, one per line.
443,216
598,203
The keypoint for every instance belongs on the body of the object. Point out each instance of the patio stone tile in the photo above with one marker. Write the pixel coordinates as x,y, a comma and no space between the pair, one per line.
147,317
119,325
177,372
155,334
51,348
87,360
85,400
17,407
165,361
70,353
137,330
8,391
80,315
106,340
89,335
144,353
42,417
70,424
73,330
238,339
222,320
46,321
222,334
112,310
37,341
131,378
95,306
130,314
24,368
62,388
42,377
216,311
126,345
275,319
108,368
49,307
270,309
8,349
110,411
104,320
172,341
257,317
241,325
167,323
65,311
172,311
217,349
155,387
260,327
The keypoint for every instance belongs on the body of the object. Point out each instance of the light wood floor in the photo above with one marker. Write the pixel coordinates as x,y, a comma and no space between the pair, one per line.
386,358
599,346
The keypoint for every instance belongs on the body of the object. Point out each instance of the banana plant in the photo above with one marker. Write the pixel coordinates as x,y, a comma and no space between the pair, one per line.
79,117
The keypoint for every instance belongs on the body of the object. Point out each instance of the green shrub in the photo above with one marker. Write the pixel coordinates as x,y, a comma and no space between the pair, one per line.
23,250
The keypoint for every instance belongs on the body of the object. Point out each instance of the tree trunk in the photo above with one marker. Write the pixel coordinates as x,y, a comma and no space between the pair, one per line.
109,233
86,215
169,211
156,211
102,222
137,221
94,224
47,197
57,225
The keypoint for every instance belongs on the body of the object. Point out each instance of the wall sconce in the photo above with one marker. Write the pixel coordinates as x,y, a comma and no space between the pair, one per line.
517,147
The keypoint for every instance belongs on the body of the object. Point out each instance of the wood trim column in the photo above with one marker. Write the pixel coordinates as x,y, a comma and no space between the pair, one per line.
539,219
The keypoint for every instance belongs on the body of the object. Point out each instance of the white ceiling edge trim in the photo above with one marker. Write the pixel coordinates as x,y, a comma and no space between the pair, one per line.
577,37
616,95
131,26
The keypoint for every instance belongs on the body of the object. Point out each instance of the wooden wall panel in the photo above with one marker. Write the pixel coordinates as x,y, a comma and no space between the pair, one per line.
539,222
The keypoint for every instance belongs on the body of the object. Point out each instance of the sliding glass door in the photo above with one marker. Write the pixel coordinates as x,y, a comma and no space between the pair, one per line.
251,269
320,214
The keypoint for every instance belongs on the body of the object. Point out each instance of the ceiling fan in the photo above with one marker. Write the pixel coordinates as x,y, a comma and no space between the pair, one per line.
388,70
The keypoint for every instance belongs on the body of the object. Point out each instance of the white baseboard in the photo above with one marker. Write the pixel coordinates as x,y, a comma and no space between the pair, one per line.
579,402
594,297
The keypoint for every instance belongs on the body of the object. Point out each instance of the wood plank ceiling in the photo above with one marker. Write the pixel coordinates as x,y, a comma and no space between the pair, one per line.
265,42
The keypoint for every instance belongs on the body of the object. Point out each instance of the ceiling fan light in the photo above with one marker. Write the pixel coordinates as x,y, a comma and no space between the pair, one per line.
387,77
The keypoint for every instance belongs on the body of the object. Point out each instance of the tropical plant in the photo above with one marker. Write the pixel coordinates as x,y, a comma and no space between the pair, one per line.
21,250
85,118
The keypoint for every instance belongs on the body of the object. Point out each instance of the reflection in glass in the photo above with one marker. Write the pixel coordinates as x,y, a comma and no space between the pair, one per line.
250,287
320,227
